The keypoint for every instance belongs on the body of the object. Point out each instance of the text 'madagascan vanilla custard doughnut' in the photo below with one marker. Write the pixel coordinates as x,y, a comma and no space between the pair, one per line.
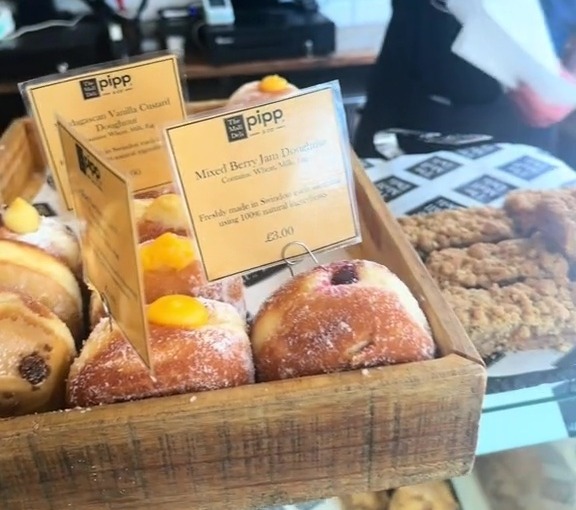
267,89
36,351
32,272
339,316
22,222
195,345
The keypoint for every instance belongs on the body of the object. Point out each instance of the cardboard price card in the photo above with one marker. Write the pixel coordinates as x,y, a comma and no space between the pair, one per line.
117,108
258,179
103,205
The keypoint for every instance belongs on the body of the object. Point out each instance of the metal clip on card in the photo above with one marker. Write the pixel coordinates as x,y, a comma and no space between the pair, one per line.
291,262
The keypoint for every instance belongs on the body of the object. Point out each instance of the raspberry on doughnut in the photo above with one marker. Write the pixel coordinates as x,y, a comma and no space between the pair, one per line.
340,316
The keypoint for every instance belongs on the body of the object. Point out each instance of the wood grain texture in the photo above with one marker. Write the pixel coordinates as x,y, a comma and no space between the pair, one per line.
265,444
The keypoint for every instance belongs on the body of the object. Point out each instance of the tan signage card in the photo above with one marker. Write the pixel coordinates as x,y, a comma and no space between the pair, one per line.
117,109
258,179
103,205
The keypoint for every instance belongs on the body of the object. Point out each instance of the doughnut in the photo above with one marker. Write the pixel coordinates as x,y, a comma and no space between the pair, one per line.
22,222
195,345
426,496
340,316
36,351
154,193
170,267
159,215
29,270
267,89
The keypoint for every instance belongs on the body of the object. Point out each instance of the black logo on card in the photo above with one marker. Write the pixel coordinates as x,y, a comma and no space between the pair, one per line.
433,167
435,205
235,128
393,187
527,168
87,166
44,209
480,151
89,88
240,127
485,189
104,86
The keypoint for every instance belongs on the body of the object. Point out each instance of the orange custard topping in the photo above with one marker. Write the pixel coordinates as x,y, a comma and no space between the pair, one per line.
168,251
273,83
21,217
178,311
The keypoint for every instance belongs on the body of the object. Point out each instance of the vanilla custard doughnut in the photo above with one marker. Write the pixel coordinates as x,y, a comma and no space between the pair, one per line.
340,316
169,267
195,345
159,215
29,270
36,351
22,222
267,89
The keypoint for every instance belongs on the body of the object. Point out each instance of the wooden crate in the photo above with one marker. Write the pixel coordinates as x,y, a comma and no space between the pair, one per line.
262,444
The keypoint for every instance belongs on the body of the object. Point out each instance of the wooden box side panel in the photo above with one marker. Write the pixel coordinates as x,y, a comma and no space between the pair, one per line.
21,167
383,241
249,447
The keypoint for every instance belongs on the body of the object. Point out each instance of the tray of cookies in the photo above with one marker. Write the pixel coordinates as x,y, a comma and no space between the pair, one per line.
494,228
351,375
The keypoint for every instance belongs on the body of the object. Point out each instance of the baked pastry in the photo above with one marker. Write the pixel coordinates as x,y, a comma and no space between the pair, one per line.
486,264
156,192
22,222
457,228
425,496
169,267
29,270
340,316
533,314
195,345
365,501
159,215
36,351
555,219
267,89
522,206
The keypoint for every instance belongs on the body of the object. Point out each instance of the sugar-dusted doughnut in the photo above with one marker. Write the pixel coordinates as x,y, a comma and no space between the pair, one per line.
170,267
159,215
29,270
340,316
267,89
36,351
195,345
22,222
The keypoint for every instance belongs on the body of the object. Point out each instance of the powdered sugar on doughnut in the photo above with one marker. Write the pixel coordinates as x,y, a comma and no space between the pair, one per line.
213,356
339,316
